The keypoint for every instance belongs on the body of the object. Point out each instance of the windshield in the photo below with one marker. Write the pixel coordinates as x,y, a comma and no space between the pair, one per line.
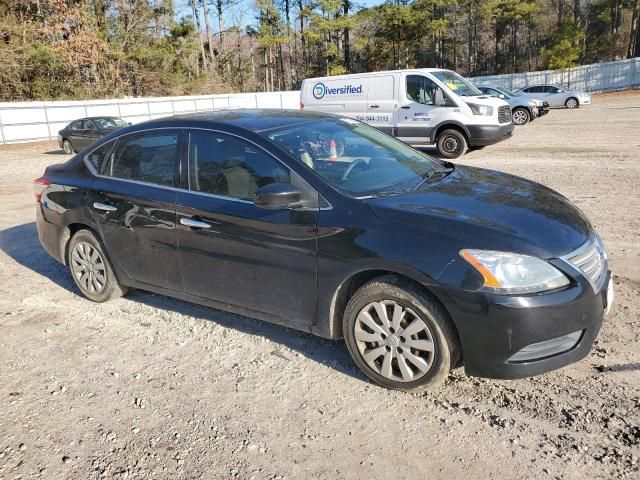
456,83
353,157
109,122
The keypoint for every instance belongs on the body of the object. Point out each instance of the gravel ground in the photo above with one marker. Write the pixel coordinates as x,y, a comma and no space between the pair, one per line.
147,386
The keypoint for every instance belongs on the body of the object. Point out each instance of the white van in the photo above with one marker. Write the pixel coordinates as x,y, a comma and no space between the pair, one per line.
423,106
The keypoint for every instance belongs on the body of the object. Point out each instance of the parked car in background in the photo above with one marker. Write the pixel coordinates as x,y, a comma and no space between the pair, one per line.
422,106
523,108
420,265
557,96
81,133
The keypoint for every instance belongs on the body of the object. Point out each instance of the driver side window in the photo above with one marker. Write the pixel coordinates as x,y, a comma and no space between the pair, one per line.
421,89
224,165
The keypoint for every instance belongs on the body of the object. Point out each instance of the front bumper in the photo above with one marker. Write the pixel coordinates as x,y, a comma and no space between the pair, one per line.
584,100
499,332
544,109
481,135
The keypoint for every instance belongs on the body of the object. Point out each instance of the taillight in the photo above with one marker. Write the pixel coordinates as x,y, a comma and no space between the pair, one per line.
39,185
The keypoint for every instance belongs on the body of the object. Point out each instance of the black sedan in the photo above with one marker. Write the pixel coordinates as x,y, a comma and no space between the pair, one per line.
81,133
419,265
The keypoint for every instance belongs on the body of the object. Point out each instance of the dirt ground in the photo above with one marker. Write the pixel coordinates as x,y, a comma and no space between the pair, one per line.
147,386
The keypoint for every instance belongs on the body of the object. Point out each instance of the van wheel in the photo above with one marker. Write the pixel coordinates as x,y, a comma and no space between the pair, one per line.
521,116
451,144
91,269
399,336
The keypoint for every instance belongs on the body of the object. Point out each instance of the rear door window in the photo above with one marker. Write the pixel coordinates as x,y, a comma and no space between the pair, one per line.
149,158
98,156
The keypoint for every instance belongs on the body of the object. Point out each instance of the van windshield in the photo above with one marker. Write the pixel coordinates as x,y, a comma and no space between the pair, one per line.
353,157
456,83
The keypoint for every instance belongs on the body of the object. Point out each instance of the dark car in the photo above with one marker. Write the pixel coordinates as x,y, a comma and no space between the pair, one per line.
81,133
419,265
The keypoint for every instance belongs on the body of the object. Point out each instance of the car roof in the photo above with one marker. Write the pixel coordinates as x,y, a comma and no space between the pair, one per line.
94,118
254,119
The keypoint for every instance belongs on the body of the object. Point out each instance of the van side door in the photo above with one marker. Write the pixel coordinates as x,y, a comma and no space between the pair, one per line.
382,104
418,113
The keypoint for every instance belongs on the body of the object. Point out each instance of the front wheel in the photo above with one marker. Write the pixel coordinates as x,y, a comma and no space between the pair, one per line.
91,270
451,144
521,116
399,336
571,103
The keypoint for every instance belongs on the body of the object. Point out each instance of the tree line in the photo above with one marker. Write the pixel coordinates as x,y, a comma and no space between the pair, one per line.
75,49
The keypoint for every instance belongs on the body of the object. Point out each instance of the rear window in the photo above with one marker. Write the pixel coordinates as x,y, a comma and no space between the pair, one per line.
97,157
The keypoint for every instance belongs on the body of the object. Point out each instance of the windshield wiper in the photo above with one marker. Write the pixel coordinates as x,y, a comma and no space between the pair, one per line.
433,176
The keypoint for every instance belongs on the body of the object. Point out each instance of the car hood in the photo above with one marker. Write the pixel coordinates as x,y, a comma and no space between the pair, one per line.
491,210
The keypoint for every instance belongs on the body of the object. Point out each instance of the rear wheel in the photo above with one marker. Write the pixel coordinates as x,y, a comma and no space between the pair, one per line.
572,103
399,336
67,147
91,270
451,143
521,116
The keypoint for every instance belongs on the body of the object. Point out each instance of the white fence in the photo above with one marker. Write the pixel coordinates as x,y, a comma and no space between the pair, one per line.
30,121
599,77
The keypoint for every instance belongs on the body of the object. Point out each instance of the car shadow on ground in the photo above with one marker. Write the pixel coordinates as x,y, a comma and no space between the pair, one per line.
22,245
56,152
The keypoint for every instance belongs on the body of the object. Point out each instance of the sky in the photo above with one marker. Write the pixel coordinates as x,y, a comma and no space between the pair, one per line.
244,13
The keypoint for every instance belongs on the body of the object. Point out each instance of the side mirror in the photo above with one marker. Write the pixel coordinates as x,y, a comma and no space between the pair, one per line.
441,99
502,96
277,196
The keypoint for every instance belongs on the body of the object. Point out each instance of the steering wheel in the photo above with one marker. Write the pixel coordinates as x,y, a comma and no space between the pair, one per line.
352,166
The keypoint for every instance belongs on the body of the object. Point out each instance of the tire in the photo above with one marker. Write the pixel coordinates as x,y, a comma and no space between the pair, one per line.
433,330
86,253
521,116
68,147
451,143
571,103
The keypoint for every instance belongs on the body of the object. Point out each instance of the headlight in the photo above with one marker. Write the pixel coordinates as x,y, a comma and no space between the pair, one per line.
532,104
485,110
511,273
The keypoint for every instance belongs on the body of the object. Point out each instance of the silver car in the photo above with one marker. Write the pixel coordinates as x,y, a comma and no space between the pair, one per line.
523,108
557,96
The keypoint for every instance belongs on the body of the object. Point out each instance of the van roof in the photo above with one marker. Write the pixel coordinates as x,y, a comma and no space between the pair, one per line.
369,74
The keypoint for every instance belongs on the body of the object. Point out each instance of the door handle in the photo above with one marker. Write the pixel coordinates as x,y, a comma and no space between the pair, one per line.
406,107
374,106
104,207
190,222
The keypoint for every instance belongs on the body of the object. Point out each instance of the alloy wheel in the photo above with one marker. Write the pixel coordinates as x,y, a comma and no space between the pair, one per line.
520,117
88,268
394,341
571,103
